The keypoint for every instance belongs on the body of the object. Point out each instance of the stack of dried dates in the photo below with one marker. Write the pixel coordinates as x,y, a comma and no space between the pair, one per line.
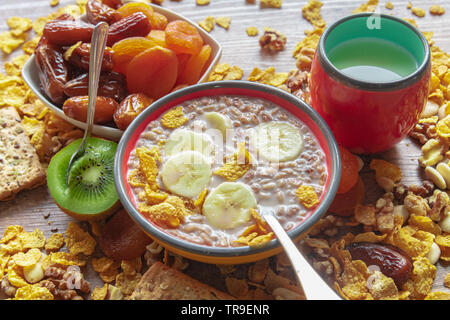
127,85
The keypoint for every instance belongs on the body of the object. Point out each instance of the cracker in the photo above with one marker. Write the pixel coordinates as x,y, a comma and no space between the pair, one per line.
161,282
20,168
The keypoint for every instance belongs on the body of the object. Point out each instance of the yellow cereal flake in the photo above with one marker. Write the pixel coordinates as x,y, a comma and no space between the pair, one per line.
235,166
131,267
223,22
424,223
419,12
389,5
369,237
174,118
54,3
369,6
207,23
127,283
202,2
309,42
15,277
307,196
268,76
421,279
54,242
34,239
79,241
443,241
443,127
386,169
271,3
9,42
14,67
18,26
224,71
261,240
437,10
10,233
100,293
39,24
311,12
148,164
152,197
103,264
415,244
66,259
33,292
201,198
31,257
169,213
257,234
235,73
382,287
252,31
438,295
352,282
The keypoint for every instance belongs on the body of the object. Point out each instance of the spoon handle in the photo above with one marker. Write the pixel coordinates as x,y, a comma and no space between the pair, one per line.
95,63
313,285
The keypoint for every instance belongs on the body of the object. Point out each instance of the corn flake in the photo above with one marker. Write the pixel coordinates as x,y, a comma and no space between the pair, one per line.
31,257
30,240
174,118
131,267
236,166
127,283
100,293
9,42
386,169
421,279
169,213
18,25
202,2
14,67
437,10
271,3
311,12
419,12
252,31
201,198
32,292
438,295
54,242
382,287
369,6
79,241
10,233
15,277
223,22
66,259
443,127
207,23
307,196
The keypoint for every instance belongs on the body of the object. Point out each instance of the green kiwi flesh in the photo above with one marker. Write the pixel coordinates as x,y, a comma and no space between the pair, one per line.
90,191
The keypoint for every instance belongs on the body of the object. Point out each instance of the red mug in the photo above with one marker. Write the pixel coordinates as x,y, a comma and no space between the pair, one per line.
368,117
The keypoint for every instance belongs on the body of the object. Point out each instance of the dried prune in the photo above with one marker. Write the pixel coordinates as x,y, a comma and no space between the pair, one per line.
81,55
97,12
129,108
53,71
111,85
134,25
77,107
67,32
122,239
392,261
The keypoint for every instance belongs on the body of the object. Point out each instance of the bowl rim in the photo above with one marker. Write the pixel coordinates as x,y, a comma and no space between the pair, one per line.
227,252
100,130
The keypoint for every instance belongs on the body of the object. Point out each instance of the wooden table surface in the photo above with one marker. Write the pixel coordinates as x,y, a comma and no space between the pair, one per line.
29,207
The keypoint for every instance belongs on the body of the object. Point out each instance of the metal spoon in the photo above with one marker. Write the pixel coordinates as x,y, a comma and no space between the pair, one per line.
313,285
98,43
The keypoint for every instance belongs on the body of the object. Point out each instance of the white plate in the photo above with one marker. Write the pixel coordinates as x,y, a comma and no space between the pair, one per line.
31,77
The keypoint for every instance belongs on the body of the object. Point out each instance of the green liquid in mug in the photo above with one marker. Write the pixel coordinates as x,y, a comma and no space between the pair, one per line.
372,60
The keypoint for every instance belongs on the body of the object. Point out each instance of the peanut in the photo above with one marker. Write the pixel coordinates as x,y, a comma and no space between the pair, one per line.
445,223
444,170
434,253
436,177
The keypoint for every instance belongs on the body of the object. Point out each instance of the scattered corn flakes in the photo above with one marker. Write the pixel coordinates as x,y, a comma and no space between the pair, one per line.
127,283
207,23
9,42
55,242
18,26
307,196
271,3
437,10
201,198
409,5
447,280
131,267
389,5
223,22
224,71
79,241
235,166
14,67
438,295
39,24
443,127
369,6
252,31
66,259
311,12
100,293
202,2
30,240
31,292
31,257
268,76
169,213
174,118
54,3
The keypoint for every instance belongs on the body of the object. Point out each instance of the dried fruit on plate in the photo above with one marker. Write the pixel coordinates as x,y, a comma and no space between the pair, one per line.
344,204
349,170
129,108
182,37
67,32
194,66
125,50
134,25
97,12
77,107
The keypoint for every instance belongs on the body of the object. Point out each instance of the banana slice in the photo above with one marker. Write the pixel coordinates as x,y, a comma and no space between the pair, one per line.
227,206
277,141
186,173
218,121
188,140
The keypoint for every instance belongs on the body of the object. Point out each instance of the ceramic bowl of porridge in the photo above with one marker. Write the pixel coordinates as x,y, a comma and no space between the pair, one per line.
199,169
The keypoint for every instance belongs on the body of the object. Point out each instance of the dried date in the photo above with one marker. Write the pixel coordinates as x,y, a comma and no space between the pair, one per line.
392,261
53,71
129,108
77,107
134,25
111,85
115,4
97,12
81,55
67,32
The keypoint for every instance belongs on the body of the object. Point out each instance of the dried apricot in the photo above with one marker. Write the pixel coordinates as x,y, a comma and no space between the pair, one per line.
122,239
344,203
349,170
194,66
158,36
183,59
158,21
153,72
182,37
125,50
77,107
132,7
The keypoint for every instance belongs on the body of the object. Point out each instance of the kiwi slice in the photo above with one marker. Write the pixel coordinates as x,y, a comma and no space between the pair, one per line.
90,192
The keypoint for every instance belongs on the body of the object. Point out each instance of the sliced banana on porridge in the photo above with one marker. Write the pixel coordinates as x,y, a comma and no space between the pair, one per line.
186,173
277,141
187,140
228,205
218,121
